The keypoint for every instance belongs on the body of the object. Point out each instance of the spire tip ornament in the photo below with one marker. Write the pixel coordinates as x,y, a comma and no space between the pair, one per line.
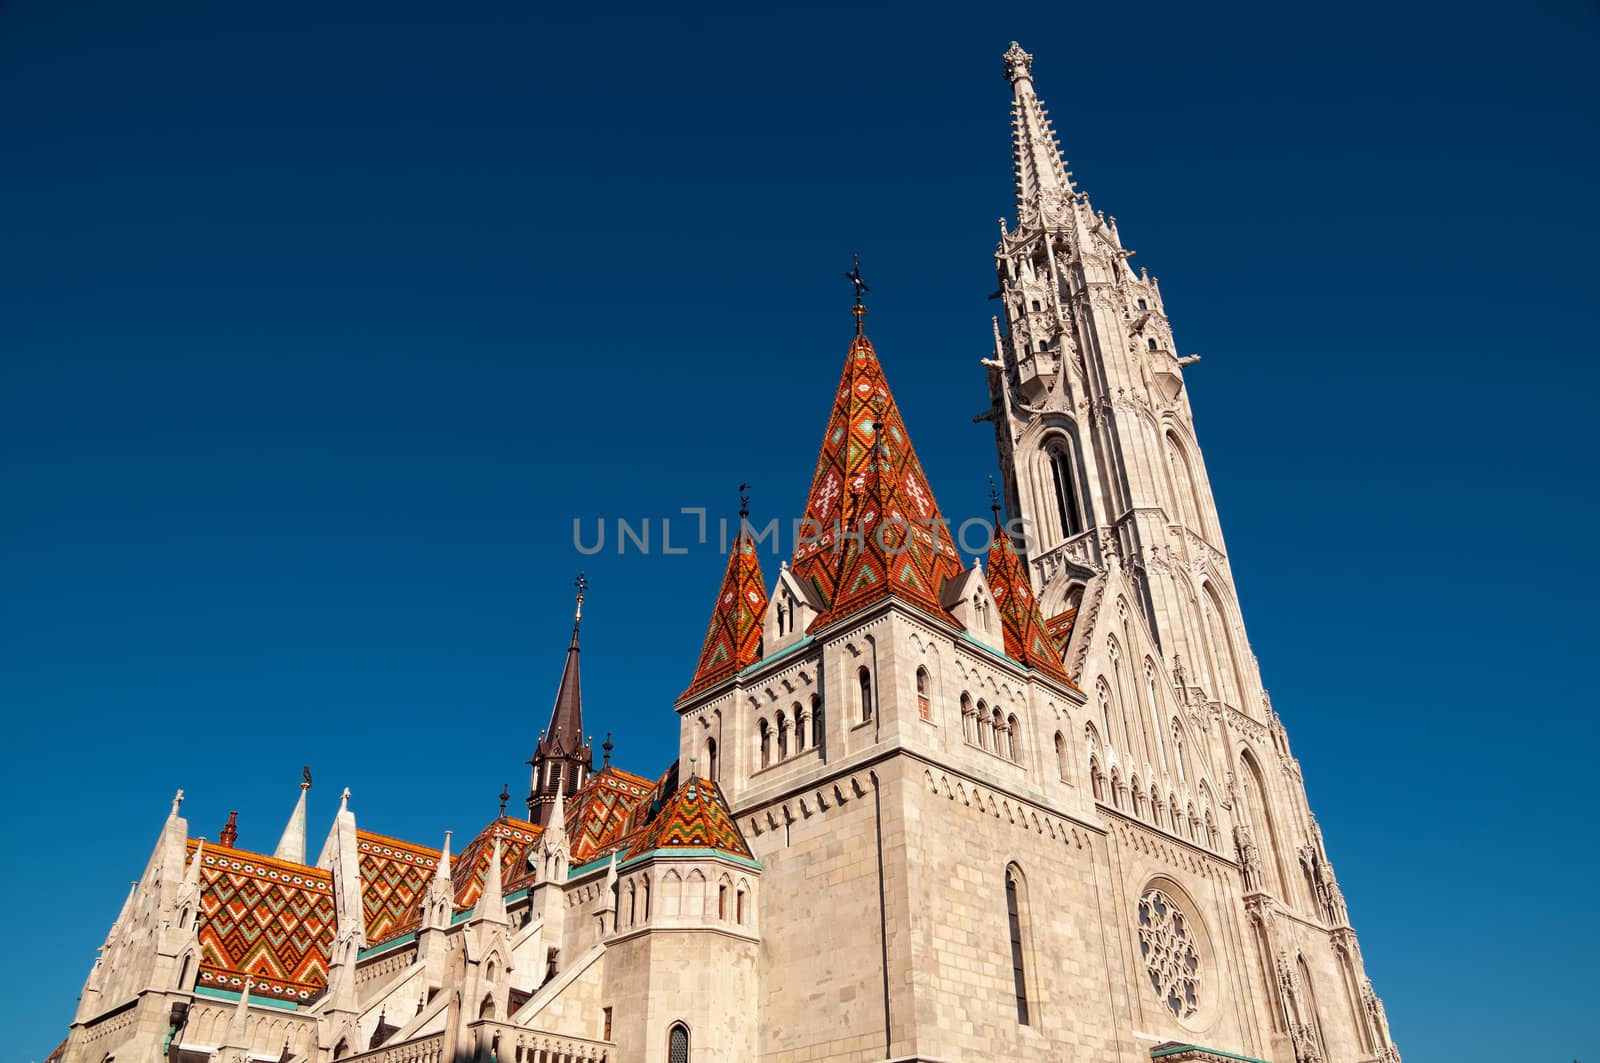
860,309
1019,64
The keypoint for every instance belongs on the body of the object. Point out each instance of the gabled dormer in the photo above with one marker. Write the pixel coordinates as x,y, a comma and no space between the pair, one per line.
969,599
791,609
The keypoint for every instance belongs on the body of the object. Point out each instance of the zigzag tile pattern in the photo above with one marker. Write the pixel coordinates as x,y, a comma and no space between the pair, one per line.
694,817
394,876
1027,637
467,872
601,812
270,919
873,528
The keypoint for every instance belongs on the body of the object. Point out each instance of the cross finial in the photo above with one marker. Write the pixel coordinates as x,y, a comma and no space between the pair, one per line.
854,277
305,773
994,501
582,584
608,747
744,501
505,795
177,802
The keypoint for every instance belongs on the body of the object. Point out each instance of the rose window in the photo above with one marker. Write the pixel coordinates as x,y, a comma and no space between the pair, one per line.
1171,957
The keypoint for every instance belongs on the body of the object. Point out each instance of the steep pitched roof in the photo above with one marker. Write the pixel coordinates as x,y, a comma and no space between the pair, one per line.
1061,626
565,733
733,638
872,527
394,878
694,817
468,871
601,812
267,918
1027,637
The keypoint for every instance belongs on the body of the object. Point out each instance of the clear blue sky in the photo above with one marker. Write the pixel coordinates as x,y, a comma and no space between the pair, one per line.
319,324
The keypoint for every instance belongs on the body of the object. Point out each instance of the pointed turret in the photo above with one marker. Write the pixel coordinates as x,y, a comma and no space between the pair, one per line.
733,638
1027,637
1035,153
292,846
492,901
563,753
871,527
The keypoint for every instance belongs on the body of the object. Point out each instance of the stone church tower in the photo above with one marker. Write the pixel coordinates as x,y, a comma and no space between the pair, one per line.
1037,808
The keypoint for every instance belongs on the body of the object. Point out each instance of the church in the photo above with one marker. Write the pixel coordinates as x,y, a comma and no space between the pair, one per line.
1038,808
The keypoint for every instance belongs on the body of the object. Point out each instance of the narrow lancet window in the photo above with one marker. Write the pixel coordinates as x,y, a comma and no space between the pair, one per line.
1014,916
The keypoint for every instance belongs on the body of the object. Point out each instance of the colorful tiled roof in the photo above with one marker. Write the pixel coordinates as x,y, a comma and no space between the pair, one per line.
1060,627
694,817
1026,635
733,638
872,527
600,814
267,918
394,877
467,872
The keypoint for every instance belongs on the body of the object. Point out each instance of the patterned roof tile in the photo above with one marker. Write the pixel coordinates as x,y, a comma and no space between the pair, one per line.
733,638
872,527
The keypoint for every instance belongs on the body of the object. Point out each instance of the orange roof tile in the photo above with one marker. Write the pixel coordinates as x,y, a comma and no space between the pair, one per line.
872,527
695,816
1027,637
267,918
733,638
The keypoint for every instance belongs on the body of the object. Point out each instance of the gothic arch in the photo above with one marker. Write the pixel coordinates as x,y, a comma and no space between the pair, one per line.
1258,812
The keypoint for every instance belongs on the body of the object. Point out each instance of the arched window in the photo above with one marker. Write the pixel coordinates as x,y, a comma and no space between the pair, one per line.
722,900
486,1009
712,768
1102,691
1187,499
1043,346
1097,781
816,721
1016,917
983,724
1116,788
864,680
1014,739
1061,756
1059,453
783,735
968,717
1142,305
1314,1019
766,743
1138,796
1155,708
1036,305
1181,762
999,725
678,1043
738,907
341,1049
1152,342
924,706
799,727
1221,640
1260,818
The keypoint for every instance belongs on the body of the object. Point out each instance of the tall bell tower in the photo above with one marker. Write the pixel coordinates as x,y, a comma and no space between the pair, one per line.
1092,421
1124,549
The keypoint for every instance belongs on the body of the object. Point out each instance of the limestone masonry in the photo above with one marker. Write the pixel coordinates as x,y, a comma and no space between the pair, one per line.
1037,809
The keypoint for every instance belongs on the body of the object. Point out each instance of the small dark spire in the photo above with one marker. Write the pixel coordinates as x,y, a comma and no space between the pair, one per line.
744,501
859,310
606,750
505,795
230,831
994,502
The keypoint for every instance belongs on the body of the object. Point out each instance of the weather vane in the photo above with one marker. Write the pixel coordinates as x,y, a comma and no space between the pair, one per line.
582,583
744,500
854,277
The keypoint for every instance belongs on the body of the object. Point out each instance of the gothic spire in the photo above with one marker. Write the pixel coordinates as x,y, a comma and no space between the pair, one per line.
563,751
292,845
1035,153
733,638
566,717
871,527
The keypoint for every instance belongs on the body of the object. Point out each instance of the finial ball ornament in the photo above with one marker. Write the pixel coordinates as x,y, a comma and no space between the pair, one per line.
1019,64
